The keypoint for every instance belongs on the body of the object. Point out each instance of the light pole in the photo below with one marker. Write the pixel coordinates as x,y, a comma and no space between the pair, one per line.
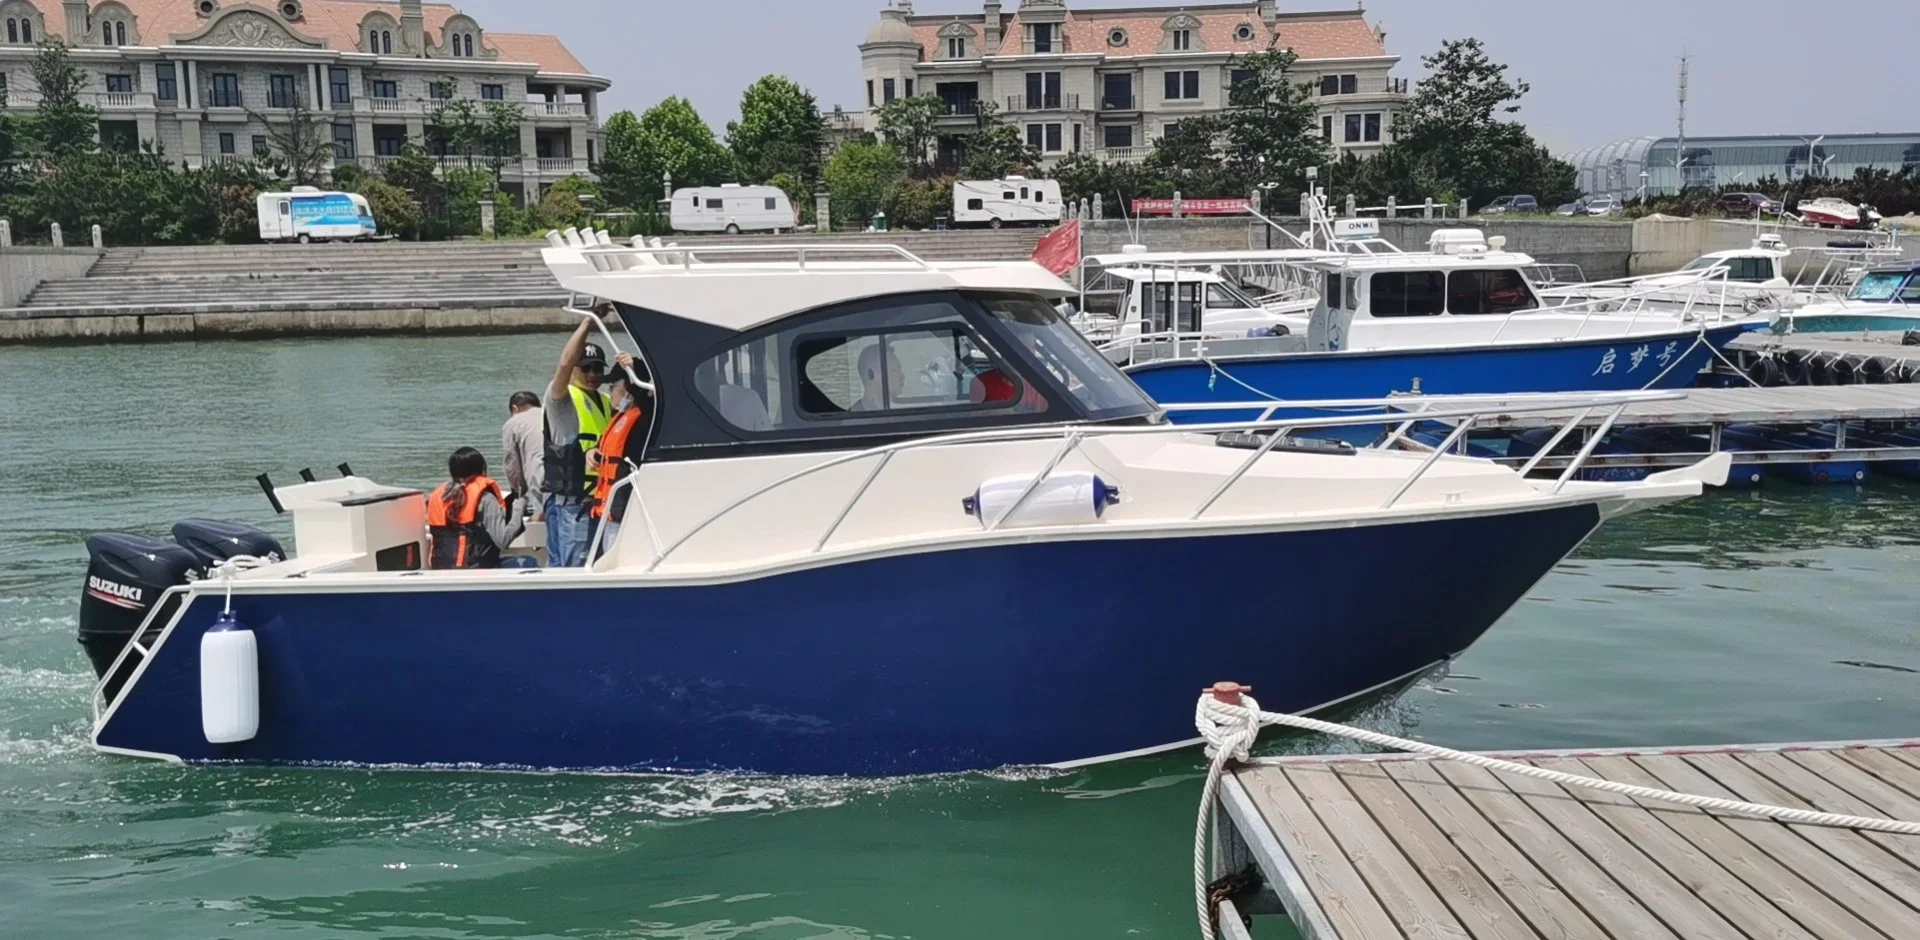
1644,177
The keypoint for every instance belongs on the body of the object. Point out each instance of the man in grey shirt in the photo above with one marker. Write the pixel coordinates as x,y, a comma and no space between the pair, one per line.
522,437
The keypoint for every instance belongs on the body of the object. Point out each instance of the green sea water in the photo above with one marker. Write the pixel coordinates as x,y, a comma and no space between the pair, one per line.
1784,614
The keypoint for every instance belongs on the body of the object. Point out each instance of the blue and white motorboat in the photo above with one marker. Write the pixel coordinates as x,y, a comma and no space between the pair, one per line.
1460,318
893,517
1886,298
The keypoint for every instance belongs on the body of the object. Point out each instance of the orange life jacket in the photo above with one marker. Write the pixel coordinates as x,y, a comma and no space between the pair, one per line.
613,460
460,541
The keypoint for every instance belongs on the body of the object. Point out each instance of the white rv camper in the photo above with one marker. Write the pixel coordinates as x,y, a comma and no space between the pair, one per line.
1011,201
732,208
308,214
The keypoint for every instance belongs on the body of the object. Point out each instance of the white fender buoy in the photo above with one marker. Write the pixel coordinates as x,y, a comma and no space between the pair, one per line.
1066,498
229,682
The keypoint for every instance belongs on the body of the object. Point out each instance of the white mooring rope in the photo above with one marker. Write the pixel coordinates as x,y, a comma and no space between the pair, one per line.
1230,731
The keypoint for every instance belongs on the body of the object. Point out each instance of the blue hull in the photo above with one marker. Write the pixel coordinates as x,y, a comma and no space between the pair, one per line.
1037,653
1582,366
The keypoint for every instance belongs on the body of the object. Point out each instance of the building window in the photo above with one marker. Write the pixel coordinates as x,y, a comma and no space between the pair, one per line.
226,90
1117,136
1372,133
1116,92
1036,136
120,33
1238,77
1053,138
226,143
1326,127
870,102
106,34
1043,37
1183,86
166,86
909,93
1117,38
337,81
1183,40
280,91
1043,91
1339,85
1243,32
956,48
1349,84
386,42
384,88
260,151
343,141
1353,128
469,41
13,30
886,91
493,92
1076,138
1169,129
119,84
440,91
389,146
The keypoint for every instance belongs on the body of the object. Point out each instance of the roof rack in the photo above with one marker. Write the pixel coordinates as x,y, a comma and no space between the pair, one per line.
600,250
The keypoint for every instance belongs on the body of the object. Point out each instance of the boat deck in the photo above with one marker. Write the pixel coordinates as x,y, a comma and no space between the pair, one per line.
1381,848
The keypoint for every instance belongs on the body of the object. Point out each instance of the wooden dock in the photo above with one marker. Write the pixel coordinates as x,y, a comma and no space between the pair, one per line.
1384,848
1704,407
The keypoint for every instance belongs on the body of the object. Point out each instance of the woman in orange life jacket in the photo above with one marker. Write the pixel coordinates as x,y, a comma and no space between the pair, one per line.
469,522
622,441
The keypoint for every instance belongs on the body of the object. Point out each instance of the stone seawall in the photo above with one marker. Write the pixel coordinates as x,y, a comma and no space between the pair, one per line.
24,268
114,327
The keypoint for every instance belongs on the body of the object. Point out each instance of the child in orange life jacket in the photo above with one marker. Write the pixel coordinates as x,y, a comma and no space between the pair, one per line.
622,441
469,522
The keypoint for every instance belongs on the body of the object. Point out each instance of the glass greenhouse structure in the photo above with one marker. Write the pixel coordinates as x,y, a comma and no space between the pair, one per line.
1664,168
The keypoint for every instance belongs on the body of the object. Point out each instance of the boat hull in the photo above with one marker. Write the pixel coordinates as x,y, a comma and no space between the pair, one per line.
1027,652
1613,364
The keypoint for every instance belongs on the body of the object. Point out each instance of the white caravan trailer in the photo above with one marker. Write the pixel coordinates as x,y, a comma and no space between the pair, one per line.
308,214
733,209
1011,201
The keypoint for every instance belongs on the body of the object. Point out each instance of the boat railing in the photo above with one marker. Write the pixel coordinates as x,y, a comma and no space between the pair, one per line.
1467,410
1635,297
664,259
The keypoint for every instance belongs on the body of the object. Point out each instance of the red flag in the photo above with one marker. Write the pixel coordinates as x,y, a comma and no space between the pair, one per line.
1059,251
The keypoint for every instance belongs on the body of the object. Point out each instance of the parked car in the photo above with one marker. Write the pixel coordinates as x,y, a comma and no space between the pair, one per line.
1603,205
1576,207
1511,204
1748,204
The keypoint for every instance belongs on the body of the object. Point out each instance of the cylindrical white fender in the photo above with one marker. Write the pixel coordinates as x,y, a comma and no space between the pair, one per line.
229,682
1065,498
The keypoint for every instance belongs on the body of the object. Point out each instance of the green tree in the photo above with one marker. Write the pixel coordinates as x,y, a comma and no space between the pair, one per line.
860,178
1270,125
623,164
672,139
457,123
63,123
1082,177
395,210
299,145
780,131
908,124
995,150
1454,130
500,123
1186,159
915,203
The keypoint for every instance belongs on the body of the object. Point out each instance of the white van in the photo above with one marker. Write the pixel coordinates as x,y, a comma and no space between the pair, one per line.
307,214
1015,200
732,208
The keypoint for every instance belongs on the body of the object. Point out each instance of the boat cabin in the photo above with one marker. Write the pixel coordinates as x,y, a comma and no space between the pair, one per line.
1446,294
754,356
1215,294
1888,284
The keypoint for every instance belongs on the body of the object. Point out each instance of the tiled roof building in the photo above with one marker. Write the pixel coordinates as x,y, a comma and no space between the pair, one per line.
199,77
1112,81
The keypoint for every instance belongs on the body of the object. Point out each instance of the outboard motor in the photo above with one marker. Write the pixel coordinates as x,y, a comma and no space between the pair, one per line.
126,576
214,542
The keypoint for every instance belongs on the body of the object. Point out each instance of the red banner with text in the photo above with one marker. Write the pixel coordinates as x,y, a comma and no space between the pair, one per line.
1193,206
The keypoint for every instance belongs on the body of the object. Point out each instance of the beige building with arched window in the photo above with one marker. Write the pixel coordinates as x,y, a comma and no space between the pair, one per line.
202,79
1112,81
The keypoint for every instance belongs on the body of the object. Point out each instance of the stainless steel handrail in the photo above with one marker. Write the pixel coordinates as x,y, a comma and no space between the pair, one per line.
684,255
1075,435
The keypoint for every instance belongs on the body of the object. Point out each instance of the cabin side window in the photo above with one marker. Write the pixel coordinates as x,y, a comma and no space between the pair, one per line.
976,204
1333,292
716,203
1910,294
1750,270
1495,292
1407,294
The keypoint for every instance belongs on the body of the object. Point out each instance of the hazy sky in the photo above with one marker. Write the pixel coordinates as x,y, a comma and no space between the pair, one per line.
1601,70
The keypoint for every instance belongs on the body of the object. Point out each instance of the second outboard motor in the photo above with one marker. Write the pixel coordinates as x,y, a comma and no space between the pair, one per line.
126,576
214,542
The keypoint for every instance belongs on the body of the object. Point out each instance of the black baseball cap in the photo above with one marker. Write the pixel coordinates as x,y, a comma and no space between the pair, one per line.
591,355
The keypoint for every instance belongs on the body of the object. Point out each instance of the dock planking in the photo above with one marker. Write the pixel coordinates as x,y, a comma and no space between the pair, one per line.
1389,847
1805,404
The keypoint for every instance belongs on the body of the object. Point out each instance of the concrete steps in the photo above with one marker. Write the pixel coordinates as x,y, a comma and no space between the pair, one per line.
479,275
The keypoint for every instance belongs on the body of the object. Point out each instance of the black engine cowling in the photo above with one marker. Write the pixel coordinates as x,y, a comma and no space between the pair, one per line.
126,577
214,542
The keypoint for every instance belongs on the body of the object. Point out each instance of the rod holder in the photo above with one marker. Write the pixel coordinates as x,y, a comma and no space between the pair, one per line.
266,486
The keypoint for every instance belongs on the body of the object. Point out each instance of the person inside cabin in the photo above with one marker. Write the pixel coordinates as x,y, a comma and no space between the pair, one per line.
619,449
875,387
523,438
577,414
469,522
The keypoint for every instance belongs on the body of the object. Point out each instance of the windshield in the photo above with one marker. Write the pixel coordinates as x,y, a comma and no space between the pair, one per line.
1877,286
1223,295
1701,264
1049,343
